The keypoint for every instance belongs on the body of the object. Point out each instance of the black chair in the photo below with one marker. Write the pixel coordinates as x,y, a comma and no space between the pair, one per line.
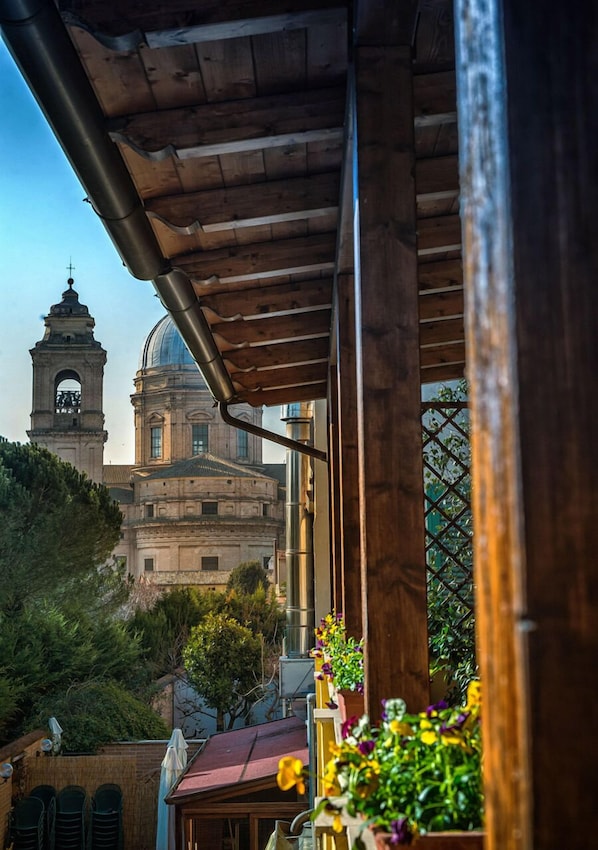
47,794
105,826
71,820
27,829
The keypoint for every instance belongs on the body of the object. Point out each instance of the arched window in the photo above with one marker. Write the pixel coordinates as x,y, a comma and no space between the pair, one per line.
67,392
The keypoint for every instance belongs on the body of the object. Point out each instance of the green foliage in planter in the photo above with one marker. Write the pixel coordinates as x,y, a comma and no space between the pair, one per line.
342,655
412,774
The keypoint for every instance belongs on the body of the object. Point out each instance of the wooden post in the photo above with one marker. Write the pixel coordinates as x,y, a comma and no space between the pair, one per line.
349,456
528,123
334,488
388,383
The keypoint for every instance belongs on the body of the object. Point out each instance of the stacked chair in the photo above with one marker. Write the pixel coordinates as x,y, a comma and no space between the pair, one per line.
45,820
70,822
47,794
106,821
27,828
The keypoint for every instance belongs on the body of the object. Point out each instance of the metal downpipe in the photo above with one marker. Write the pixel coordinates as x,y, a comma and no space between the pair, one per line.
281,440
299,531
40,45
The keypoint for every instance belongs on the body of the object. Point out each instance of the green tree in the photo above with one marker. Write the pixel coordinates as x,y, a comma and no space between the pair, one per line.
95,713
164,628
247,577
260,612
223,661
44,651
56,528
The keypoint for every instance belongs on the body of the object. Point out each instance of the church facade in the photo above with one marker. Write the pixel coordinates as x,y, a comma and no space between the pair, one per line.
198,500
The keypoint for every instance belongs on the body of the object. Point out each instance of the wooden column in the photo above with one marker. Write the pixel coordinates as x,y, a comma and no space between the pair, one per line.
528,120
388,397
349,456
334,489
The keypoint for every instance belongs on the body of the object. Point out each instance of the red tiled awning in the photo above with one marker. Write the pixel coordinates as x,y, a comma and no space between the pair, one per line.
242,758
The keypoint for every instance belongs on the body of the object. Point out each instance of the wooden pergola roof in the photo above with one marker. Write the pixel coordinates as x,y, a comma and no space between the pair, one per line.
231,119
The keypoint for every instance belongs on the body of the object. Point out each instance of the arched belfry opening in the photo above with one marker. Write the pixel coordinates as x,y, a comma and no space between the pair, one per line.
67,414
67,395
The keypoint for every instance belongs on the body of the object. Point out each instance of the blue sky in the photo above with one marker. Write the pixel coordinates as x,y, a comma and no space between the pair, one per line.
45,225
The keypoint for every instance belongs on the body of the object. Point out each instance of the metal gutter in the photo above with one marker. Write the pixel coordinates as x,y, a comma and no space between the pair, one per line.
40,45
287,442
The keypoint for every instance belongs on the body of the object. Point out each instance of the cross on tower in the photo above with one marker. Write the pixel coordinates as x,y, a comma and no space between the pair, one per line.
70,267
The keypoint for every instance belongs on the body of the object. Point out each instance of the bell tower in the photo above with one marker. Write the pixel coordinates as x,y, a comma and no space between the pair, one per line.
67,416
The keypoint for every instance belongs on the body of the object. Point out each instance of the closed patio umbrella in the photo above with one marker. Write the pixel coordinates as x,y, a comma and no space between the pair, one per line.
172,768
177,741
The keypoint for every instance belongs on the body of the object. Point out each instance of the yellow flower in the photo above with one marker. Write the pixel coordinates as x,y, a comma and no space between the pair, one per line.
337,823
397,727
429,737
474,695
290,774
454,737
425,724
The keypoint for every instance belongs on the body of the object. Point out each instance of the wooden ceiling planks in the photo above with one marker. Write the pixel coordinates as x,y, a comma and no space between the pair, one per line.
230,116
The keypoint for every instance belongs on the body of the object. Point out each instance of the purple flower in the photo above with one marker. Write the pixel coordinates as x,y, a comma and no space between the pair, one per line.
348,726
366,747
400,832
438,706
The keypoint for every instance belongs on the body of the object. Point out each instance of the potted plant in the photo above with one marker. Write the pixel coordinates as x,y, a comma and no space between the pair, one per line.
341,664
413,777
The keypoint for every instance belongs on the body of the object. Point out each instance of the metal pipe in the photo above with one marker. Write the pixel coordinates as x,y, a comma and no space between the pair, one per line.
299,532
40,45
289,443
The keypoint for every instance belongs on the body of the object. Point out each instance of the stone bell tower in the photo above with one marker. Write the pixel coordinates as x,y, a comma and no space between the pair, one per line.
68,370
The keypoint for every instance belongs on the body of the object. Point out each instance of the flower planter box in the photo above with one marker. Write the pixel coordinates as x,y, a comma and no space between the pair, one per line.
455,840
350,704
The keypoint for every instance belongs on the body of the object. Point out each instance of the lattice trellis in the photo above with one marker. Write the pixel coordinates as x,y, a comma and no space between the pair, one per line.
447,483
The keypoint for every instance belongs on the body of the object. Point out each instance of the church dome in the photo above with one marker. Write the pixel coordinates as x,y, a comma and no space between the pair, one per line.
164,346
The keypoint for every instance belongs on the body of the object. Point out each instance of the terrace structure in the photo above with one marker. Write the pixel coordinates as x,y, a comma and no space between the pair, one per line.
342,202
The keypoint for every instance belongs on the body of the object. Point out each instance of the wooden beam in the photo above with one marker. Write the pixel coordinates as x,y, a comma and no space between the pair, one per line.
303,255
441,305
434,95
284,377
269,398
316,322
442,355
445,372
436,176
439,234
248,206
279,354
246,27
282,297
124,26
440,274
449,330
233,126
393,572
379,22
